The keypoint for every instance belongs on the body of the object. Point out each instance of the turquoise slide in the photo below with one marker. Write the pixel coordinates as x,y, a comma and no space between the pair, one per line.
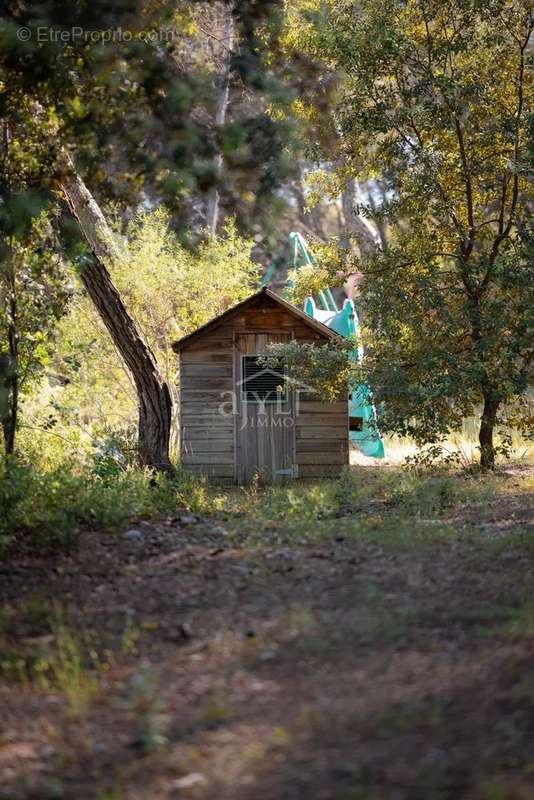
362,415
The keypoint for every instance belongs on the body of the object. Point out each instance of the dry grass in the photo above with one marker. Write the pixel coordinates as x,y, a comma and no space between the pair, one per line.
465,444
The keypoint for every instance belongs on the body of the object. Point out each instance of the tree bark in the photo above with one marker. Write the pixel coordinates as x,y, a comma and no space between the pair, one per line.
5,398
485,436
154,399
354,224
11,430
9,366
212,211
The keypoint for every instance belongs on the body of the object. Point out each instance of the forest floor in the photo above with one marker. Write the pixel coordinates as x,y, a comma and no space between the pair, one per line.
368,639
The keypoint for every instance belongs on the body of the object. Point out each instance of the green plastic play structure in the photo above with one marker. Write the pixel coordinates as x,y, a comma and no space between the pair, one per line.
362,415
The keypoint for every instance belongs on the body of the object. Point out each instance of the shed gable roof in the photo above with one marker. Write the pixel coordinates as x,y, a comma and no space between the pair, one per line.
227,315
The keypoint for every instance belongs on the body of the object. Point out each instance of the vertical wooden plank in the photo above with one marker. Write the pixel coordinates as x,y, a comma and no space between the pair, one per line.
235,378
263,442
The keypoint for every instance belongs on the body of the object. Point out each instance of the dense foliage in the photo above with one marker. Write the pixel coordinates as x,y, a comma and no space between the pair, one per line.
114,104
34,293
437,98
322,370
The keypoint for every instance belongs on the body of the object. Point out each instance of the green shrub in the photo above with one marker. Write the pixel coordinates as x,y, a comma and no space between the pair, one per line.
113,451
48,508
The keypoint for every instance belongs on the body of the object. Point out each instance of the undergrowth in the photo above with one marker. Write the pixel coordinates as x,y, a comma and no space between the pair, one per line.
47,508
63,659
396,505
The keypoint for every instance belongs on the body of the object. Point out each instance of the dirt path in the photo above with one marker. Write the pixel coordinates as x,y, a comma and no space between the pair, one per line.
342,670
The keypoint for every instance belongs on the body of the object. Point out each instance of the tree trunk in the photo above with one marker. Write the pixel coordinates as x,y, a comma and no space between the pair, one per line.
212,211
9,366
5,398
153,394
11,430
363,230
485,436
310,219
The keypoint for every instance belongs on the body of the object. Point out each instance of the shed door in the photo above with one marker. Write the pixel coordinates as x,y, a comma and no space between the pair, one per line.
265,421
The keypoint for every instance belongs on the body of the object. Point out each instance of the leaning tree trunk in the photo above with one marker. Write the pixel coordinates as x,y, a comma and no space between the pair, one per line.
485,435
153,394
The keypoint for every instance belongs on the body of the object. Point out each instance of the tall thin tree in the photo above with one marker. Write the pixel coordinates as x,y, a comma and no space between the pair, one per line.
212,210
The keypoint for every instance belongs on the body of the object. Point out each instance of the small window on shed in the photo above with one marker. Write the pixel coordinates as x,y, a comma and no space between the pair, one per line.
260,384
356,423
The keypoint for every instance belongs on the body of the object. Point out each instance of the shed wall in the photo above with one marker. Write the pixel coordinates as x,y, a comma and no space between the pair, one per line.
207,436
322,431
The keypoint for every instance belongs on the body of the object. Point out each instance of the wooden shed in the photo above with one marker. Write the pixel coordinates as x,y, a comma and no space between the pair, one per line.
235,418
